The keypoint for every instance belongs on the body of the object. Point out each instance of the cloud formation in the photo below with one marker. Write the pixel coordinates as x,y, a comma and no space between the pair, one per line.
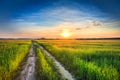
51,21
96,23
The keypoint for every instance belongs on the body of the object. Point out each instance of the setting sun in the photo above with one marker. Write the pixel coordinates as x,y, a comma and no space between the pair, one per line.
66,34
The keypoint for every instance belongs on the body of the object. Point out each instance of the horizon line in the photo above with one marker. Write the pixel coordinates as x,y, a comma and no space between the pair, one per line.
113,38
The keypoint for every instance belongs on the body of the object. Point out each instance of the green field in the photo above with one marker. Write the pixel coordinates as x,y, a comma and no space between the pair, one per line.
84,59
12,53
87,59
46,70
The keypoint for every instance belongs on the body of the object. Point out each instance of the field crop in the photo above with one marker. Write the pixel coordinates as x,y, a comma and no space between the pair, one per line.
84,59
12,53
87,59
45,69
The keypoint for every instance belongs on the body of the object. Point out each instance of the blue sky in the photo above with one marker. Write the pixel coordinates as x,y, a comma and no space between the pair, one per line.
49,18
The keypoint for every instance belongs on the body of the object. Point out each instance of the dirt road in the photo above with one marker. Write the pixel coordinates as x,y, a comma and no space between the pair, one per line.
65,74
28,69
28,72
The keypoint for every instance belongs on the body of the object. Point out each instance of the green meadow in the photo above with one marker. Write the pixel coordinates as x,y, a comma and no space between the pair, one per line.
87,59
12,53
84,59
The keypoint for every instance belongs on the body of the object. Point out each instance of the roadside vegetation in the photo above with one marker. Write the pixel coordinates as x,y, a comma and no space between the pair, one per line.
84,59
45,68
87,59
12,53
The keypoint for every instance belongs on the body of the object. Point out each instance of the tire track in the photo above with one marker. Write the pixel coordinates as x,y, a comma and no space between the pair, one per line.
65,74
28,72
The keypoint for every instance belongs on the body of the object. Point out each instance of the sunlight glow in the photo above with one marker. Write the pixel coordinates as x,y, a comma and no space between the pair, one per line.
66,34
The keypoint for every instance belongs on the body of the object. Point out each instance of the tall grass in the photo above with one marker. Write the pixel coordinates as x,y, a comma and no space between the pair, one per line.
45,68
87,59
12,52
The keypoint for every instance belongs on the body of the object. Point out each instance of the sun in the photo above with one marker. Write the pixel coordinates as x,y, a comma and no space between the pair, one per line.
66,34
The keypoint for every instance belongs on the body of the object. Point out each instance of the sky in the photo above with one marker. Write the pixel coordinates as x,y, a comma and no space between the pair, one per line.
51,18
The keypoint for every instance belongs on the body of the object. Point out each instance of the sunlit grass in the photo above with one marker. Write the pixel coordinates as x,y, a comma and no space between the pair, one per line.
87,59
46,69
12,52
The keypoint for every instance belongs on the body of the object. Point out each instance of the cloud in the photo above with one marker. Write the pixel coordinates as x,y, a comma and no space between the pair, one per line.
77,28
59,14
90,24
96,23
